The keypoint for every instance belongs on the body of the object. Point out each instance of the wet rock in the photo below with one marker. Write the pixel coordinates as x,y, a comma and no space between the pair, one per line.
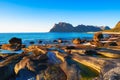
36,50
25,74
113,74
60,41
23,46
110,44
97,43
70,47
91,52
98,36
32,42
24,63
7,67
76,41
0,46
40,41
55,41
54,73
15,43
52,58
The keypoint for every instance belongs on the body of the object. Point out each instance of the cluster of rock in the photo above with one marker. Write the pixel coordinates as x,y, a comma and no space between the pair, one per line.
51,62
66,27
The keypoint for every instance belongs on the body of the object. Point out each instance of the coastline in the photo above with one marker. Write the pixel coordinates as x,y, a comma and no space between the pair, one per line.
62,55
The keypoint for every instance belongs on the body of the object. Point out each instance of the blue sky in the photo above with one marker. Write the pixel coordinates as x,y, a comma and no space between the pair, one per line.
41,15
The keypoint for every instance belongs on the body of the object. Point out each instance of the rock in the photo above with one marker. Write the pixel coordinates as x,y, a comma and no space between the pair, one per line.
55,41
54,73
98,36
0,46
23,64
15,43
6,46
66,27
36,50
110,44
32,63
59,41
90,52
7,67
76,41
70,47
25,74
118,43
32,42
97,43
23,46
40,41
111,70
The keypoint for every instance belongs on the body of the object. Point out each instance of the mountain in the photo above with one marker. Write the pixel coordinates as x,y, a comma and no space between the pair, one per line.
66,27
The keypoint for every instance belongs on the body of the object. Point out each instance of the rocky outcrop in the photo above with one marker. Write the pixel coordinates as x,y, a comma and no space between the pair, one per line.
15,44
66,27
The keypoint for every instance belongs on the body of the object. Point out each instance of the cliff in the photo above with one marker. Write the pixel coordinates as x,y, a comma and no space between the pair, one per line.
66,27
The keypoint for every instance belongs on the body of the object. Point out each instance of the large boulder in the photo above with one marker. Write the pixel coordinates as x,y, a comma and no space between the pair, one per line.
76,41
16,43
98,36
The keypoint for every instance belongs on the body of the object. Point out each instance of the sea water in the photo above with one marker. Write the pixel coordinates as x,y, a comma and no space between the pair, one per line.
26,37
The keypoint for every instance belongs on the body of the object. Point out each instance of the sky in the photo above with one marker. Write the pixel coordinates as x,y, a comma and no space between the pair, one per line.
41,15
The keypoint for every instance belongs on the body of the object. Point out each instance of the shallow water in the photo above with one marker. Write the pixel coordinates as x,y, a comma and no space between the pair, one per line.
10,52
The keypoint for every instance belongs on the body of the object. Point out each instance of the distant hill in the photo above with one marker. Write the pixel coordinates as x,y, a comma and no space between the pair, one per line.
67,27
115,29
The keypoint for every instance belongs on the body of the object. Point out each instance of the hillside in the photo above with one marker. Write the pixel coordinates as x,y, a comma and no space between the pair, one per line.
115,29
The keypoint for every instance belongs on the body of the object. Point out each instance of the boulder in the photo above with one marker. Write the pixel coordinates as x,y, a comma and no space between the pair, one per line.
76,41
15,43
98,36
59,41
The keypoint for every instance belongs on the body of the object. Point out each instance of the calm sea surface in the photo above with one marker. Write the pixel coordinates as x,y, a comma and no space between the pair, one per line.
4,37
